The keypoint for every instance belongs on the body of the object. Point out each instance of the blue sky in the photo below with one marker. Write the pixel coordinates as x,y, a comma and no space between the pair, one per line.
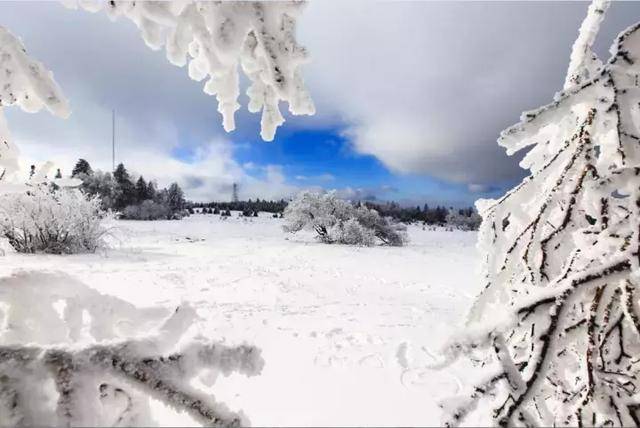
410,99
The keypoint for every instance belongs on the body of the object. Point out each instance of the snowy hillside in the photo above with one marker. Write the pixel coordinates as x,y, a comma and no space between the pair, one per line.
343,330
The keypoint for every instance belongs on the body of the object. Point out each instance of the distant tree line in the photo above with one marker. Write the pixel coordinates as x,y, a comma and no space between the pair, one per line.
139,200
248,208
462,218
142,200
465,218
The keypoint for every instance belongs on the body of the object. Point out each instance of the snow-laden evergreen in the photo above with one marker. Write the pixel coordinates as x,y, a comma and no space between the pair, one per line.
557,327
26,83
216,38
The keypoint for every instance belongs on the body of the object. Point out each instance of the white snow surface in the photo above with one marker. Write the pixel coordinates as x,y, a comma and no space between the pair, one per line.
345,331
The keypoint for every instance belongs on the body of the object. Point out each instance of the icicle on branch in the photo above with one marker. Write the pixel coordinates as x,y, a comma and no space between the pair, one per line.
216,38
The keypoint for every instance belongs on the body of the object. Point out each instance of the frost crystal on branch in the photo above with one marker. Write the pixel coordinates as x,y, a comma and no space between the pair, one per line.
63,361
26,83
562,257
583,63
215,38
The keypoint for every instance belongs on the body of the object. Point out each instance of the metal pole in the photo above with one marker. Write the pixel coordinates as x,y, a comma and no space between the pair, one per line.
113,140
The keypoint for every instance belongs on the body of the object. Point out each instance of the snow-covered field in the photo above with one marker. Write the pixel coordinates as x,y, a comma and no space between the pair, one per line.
343,330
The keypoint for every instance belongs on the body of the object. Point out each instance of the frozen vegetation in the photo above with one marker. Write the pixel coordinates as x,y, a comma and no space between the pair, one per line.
560,257
140,331
337,221
27,84
52,221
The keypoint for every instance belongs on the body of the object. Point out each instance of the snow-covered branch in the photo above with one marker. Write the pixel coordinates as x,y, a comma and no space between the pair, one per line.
561,254
26,83
216,38
61,332
583,63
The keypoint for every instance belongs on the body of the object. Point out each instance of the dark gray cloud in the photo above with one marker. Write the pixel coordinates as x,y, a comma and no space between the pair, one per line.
427,86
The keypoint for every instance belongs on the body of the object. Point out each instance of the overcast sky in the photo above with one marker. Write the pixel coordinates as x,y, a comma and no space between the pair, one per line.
411,97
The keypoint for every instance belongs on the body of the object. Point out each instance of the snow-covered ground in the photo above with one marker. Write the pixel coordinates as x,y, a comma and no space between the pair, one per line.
343,330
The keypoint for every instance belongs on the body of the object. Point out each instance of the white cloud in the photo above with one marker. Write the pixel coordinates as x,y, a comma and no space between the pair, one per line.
321,178
477,188
249,166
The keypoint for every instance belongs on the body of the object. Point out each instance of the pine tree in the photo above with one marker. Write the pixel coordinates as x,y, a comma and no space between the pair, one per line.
141,190
82,167
151,190
561,256
124,188
121,175
176,197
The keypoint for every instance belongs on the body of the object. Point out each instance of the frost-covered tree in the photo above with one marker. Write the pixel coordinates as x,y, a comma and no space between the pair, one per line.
124,188
215,39
99,184
557,326
175,197
141,190
81,167
338,221
151,190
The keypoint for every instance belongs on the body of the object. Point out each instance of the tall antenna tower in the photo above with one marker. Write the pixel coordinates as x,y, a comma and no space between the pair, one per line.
113,140
234,196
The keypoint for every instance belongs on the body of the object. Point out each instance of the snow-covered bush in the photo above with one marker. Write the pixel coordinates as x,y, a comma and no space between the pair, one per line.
215,39
62,221
351,232
556,329
337,221
385,229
